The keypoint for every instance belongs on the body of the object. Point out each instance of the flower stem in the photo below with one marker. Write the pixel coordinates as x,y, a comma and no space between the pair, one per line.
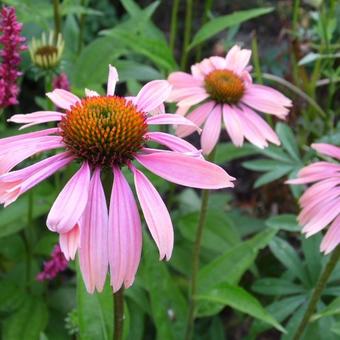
173,27
321,284
187,33
57,18
118,314
81,28
196,259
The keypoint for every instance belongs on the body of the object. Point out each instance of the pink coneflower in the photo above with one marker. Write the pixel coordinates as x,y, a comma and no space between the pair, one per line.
54,266
321,202
12,46
222,87
106,133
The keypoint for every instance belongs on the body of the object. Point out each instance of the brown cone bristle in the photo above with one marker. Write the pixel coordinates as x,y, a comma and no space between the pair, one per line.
47,51
105,131
224,86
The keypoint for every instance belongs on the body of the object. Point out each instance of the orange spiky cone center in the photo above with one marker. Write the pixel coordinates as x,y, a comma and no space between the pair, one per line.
224,86
104,130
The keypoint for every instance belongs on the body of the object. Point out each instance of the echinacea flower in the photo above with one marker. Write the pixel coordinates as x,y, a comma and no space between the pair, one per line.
321,202
106,133
46,52
222,87
12,45
54,266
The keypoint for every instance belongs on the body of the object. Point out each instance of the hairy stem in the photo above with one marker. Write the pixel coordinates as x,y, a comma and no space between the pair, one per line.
320,286
118,314
57,18
187,33
173,27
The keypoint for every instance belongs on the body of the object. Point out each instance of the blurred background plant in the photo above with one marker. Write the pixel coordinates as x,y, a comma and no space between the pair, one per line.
257,270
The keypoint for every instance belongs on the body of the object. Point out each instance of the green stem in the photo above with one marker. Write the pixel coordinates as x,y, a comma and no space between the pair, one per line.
321,284
196,259
81,28
173,27
57,18
187,33
118,314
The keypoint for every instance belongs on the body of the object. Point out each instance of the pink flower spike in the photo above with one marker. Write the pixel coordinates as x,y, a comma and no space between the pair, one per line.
152,95
93,251
36,118
71,202
156,214
175,167
327,149
125,233
69,242
212,129
62,98
113,78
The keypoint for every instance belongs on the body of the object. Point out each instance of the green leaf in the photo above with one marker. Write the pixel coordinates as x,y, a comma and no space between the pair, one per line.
28,321
94,311
261,165
128,69
277,153
286,222
218,24
226,152
276,287
273,175
230,266
285,253
288,140
239,299
332,309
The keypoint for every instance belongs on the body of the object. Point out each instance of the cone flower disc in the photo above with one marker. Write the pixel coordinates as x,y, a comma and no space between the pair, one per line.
222,88
106,133
321,202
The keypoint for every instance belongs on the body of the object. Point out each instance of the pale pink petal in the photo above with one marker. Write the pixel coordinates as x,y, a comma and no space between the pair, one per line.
266,99
18,182
332,237
198,117
265,129
125,233
205,66
172,142
219,63
71,202
36,118
193,100
158,110
212,129
93,251
233,125
156,214
182,79
69,242
21,138
111,83
152,95
90,93
183,110
237,59
17,152
196,72
63,98
166,118
180,94
184,170
327,149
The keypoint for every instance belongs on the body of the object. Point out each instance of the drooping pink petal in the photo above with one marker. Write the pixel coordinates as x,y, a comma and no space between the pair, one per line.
125,233
62,98
172,142
156,214
152,95
332,237
184,170
111,83
193,100
181,94
19,181
91,93
71,202
25,136
36,118
93,251
182,79
69,242
16,152
327,149
212,129
266,99
166,118
233,125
